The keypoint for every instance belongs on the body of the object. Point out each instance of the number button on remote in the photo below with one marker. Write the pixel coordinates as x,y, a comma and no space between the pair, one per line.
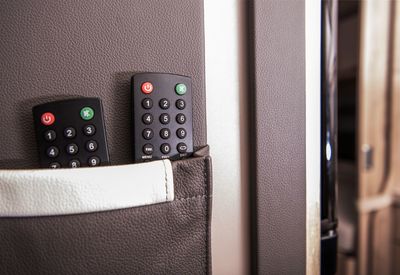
94,161
165,148
147,119
181,133
180,104
72,149
148,149
74,163
164,103
148,134
69,132
180,118
52,152
91,146
165,133
147,103
50,135
89,130
164,118
55,165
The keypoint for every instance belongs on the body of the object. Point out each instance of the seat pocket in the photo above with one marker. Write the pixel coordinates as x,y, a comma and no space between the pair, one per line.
164,235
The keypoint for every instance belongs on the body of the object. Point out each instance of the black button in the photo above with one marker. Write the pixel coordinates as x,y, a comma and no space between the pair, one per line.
147,119
165,133
164,103
180,118
55,165
69,132
72,149
147,103
164,118
147,134
180,104
91,145
52,152
94,161
165,148
50,135
181,133
181,147
74,163
148,149
89,130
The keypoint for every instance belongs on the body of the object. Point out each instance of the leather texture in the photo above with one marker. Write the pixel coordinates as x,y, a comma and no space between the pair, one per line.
47,192
277,81
166,238
61,49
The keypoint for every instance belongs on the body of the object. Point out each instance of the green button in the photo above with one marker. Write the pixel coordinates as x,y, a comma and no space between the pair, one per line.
87,113
180,89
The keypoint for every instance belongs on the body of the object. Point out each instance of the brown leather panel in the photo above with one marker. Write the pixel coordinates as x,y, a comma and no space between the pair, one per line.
277,78
59,49
167,238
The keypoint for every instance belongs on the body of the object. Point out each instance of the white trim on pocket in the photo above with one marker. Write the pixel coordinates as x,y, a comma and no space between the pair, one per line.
71,191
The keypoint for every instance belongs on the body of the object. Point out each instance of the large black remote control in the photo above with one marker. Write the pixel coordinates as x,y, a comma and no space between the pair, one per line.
71,133
162,116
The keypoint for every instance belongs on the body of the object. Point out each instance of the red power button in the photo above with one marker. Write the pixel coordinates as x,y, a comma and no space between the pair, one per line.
147,87
47,119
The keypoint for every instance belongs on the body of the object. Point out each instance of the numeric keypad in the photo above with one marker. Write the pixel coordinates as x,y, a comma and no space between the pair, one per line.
71,133
162,116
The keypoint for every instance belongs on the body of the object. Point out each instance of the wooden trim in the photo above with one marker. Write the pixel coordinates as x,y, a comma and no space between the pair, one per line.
372,118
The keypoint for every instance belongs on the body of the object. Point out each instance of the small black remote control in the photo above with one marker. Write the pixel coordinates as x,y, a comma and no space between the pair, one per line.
71,133
162,116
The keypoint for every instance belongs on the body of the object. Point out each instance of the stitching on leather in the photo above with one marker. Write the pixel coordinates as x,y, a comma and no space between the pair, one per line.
166,181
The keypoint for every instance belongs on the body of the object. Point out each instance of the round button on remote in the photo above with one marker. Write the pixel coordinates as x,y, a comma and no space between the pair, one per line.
165,133
180,118
74,163
69,132
181,133
180,89
164,118
147,119
147,103
147,87
50,135
89,130
94,161
148,149
164,103
52,152
87,113
91,146
55,165
147,134
165,148
181,147
47,119
180,104
72,149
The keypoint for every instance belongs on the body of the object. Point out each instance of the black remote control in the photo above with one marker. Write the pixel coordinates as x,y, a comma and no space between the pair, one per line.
71,133
162,116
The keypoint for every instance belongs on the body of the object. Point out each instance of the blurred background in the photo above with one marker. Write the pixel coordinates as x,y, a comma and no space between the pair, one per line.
368,137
